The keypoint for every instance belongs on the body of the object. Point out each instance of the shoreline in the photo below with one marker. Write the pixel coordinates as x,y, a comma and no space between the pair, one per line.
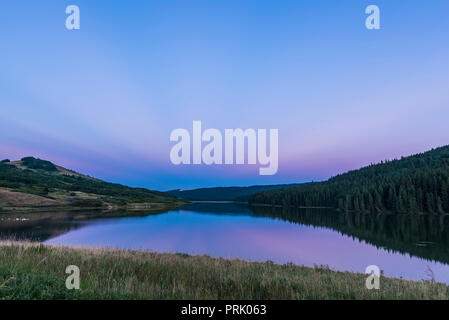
342,211
132,207
129,274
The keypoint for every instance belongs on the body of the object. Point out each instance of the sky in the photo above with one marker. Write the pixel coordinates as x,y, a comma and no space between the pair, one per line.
103,100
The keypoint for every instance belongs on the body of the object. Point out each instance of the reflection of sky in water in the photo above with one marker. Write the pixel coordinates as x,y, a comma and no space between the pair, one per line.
247,237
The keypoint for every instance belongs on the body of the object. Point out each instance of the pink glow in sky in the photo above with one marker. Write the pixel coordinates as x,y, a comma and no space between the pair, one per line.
104,99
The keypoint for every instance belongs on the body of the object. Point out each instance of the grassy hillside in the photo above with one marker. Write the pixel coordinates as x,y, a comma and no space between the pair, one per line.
31,183
225,193
33,271
414,184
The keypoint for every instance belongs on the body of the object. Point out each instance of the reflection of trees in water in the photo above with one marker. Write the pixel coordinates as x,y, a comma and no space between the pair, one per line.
225,208
422,236
46,225
40,229
36,231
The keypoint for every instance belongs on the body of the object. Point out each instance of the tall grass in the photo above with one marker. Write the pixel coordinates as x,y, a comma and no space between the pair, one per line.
36,271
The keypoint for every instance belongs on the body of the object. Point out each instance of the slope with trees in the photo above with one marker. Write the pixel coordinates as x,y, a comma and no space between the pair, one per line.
414,184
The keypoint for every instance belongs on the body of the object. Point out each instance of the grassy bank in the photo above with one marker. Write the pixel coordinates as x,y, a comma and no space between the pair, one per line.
132,209
33,271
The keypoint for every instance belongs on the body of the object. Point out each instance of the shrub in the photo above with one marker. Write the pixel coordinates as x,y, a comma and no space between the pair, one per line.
33,163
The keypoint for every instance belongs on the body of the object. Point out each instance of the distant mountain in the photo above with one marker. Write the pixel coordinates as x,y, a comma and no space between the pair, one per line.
225,193
414,184
31,183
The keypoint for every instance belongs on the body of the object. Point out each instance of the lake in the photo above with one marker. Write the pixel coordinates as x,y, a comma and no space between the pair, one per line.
400,245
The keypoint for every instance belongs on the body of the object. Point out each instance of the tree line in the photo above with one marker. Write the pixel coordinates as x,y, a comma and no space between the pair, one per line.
414,184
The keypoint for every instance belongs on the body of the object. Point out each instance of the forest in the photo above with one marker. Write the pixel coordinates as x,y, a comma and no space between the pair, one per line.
414,184
240,194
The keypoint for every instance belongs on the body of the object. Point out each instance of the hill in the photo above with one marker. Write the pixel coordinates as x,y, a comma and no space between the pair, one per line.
35,183
225,193
414,184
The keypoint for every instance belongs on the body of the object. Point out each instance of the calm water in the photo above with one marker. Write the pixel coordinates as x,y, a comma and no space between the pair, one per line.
401,246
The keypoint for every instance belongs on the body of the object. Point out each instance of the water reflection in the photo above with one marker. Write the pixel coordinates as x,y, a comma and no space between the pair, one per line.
403,246
41,226
422,236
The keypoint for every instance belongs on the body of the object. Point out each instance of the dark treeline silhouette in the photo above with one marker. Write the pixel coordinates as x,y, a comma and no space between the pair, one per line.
414,184
225,193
